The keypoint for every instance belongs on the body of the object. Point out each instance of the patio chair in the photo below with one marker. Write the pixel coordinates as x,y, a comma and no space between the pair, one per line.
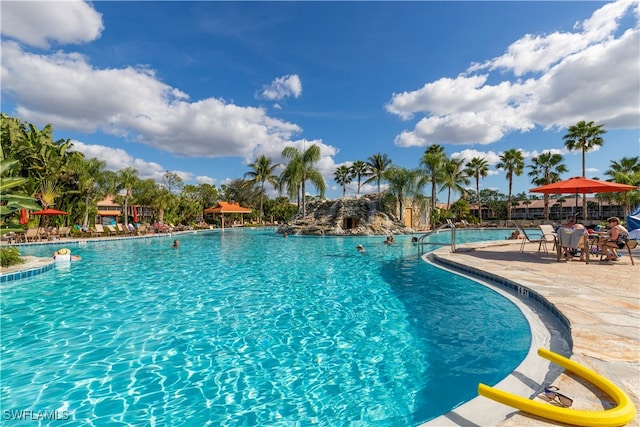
631,244
573,238
541,240
549,234
111,231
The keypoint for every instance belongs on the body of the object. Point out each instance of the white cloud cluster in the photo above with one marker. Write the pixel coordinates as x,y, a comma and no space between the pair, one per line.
132,102
589,73
117,159
283,87
68,22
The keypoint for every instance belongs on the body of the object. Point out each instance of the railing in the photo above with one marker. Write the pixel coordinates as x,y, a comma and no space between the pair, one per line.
449,224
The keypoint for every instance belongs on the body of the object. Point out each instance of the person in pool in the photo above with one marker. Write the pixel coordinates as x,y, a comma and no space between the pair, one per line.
361,249
64,254
176,244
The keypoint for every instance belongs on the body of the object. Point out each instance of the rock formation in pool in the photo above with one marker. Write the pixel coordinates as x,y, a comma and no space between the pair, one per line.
345,217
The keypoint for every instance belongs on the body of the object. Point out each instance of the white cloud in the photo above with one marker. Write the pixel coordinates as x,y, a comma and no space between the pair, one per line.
117,158
67,22
283,87
589,73
65,89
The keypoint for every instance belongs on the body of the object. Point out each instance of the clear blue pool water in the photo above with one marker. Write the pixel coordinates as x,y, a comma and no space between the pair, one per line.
244,327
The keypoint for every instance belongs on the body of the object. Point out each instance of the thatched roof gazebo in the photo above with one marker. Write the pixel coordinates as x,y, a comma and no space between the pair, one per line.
227,207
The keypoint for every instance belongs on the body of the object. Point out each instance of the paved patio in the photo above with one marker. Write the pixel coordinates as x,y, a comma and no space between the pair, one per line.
601,300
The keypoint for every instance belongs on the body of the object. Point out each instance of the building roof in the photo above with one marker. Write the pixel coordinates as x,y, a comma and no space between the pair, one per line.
227,207
109,213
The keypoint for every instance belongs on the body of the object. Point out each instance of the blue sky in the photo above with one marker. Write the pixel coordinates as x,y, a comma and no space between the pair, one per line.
203,88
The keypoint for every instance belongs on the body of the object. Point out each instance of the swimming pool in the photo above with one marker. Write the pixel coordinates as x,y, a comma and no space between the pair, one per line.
243,327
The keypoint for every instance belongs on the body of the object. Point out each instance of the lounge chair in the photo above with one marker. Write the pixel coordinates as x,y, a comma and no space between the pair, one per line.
538,238
64,232
98,230
111,231
32,235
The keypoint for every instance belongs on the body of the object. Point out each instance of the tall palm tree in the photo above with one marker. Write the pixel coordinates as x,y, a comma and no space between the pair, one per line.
626,171
343,176
546,169
433,161
127,179
262,173
478,168
378,164
584,136
402,183
300,169
90,179
454,178
511,161
359,169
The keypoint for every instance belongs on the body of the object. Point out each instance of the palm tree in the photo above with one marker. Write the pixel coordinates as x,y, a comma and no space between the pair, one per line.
402,183
511,161
584,136
378,164
343,176
262,172
359,169
127,179
478,168
454,178
433,161
90,178
300,169
626,171
546,169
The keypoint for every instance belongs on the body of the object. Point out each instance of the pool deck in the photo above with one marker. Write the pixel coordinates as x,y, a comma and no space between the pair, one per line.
601,300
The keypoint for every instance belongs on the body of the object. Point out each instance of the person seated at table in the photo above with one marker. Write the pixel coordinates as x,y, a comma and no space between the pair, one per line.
616,238
571,224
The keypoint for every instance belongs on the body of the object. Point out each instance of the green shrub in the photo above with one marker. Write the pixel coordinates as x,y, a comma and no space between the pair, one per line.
10,256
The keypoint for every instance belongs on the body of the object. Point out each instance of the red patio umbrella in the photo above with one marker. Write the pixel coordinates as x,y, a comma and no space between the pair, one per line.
582,185
24,219
49,211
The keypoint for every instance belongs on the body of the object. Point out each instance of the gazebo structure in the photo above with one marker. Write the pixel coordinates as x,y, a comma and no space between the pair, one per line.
227,207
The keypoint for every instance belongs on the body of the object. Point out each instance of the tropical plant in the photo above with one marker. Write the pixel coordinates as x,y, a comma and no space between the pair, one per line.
403,183
546,169
299,170
262,173
343,176
584,136
478,168
454,178
10,256
378,164
625,171
127,180
512,162
433,161
11,199
359,169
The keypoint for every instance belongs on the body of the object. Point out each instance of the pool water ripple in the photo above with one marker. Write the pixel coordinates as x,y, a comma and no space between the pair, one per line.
247,328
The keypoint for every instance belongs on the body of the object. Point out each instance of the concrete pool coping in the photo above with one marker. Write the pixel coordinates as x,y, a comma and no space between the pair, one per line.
600,301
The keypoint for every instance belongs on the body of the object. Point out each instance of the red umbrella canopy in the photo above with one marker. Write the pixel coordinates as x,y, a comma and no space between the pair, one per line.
49,211
24,219
582,185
